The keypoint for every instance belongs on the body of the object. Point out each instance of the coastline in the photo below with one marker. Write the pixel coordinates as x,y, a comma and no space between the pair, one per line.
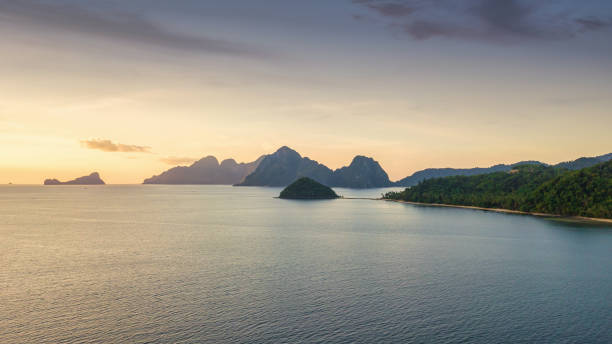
507,211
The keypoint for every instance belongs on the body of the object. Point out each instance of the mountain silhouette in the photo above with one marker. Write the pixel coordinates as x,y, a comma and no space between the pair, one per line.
284,166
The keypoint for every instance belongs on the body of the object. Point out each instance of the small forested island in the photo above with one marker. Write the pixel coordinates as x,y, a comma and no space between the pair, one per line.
92,179
306,188
528,188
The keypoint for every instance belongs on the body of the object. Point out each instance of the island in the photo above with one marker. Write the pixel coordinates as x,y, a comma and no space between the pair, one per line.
92,179
306,188
533,189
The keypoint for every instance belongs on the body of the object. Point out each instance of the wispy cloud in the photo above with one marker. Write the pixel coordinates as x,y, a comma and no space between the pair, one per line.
490,20
132,27
109,146
174,160
594,23
389,9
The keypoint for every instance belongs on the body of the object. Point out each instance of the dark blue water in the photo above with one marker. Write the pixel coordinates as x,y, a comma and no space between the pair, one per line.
216,264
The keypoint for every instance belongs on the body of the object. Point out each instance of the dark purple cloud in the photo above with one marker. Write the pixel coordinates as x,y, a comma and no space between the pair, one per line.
389,9
491,20
594,23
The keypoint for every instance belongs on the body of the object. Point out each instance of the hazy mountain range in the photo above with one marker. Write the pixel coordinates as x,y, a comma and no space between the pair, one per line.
429,173
584,162
284,166
206,171
92,179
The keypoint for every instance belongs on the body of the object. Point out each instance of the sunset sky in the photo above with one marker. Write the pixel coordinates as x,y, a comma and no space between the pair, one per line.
131,88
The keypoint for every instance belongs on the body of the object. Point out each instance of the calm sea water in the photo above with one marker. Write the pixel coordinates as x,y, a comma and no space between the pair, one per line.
219,264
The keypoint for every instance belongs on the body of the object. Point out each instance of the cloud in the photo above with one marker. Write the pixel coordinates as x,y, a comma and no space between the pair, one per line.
488,20
388,9
593,23
507,17
174,160
108,146
130,27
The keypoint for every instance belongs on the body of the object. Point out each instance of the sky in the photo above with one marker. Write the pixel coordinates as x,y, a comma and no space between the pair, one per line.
132,88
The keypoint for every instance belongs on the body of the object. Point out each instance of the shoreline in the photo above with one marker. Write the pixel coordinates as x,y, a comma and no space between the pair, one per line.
507,211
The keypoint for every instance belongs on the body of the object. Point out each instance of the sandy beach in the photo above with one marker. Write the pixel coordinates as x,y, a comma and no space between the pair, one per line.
508,211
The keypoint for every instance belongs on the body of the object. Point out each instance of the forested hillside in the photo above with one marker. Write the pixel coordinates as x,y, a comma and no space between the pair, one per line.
530,188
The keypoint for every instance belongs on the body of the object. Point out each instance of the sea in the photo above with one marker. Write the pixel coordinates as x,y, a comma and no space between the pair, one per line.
223,264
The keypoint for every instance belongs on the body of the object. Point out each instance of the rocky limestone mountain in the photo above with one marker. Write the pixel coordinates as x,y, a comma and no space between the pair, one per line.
363,172
283,167
286,165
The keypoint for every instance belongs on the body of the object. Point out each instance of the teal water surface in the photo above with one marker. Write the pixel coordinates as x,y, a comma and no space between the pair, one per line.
221,264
